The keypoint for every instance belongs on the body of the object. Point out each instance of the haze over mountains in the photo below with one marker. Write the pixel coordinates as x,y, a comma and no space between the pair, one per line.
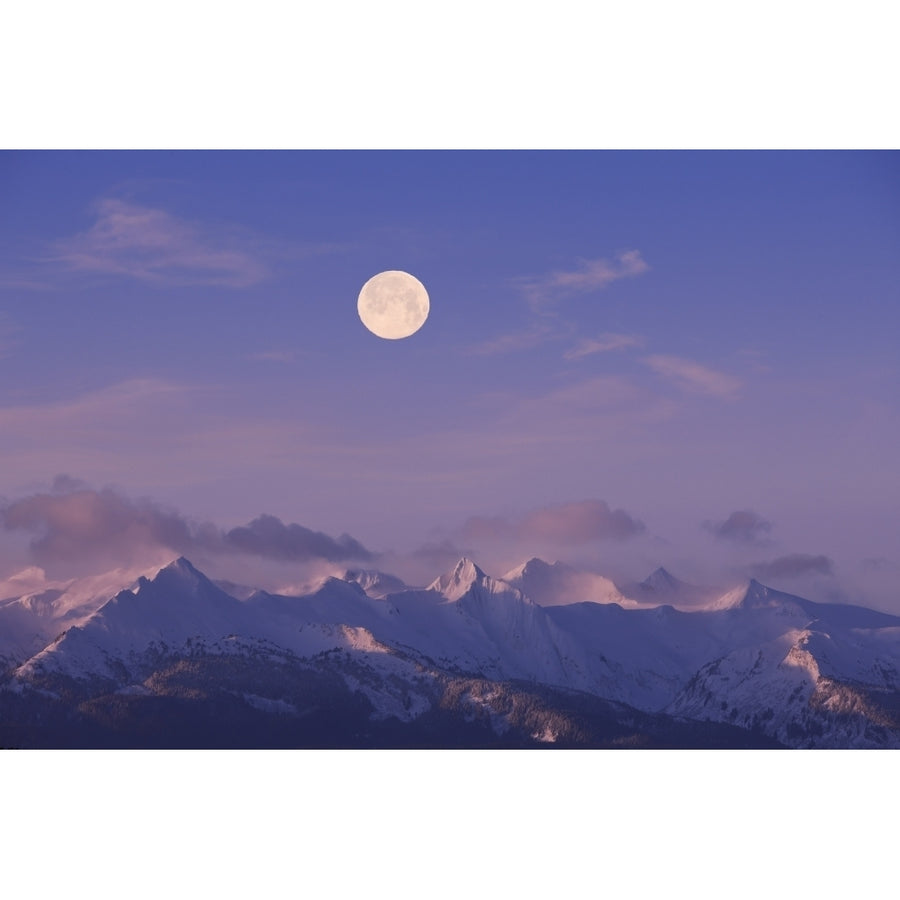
548,655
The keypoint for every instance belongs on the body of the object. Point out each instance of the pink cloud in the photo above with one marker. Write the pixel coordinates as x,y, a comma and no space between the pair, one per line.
692,376
543,291
74,523
601,403
589,275
512,342
83,523
603,343
565,523
154,245
99,405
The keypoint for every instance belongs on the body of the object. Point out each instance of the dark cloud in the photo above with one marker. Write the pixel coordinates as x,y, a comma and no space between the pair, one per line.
269,537
794,565
743,526
564,523
74,523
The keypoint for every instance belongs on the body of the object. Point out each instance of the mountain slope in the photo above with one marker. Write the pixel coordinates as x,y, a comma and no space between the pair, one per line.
336,666
813,674
29,621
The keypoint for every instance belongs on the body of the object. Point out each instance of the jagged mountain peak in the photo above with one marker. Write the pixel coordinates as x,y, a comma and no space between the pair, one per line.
754,594
180,567
662,587
467,570
463,576
179,578
661,579
468,584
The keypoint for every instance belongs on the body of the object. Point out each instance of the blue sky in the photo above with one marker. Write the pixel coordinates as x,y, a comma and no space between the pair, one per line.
677,335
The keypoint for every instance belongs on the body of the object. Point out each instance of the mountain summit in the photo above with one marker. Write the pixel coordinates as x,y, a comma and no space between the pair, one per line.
661,587
662,581
462,578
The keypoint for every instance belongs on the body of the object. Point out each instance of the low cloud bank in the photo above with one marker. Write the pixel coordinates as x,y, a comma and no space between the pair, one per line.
793,566
565,523
74,523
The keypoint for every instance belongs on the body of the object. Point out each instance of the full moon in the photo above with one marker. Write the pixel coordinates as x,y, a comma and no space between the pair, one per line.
393,304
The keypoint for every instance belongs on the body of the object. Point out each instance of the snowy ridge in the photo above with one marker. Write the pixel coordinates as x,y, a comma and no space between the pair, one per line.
374,583
178,604
30,621
804,673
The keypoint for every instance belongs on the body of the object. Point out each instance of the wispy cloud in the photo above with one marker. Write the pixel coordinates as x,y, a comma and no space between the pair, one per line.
150,244
143,425
542,291
514,341
154,245
100,406
146,432
149,431
756,358
11,279
601,404
692,376
603,343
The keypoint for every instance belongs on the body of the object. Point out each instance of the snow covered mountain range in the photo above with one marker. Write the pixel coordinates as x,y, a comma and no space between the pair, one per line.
547,655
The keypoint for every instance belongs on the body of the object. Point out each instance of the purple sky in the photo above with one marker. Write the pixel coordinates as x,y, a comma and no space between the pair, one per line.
632,359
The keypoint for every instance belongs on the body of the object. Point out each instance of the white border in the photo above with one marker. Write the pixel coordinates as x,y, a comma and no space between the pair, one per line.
187,74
